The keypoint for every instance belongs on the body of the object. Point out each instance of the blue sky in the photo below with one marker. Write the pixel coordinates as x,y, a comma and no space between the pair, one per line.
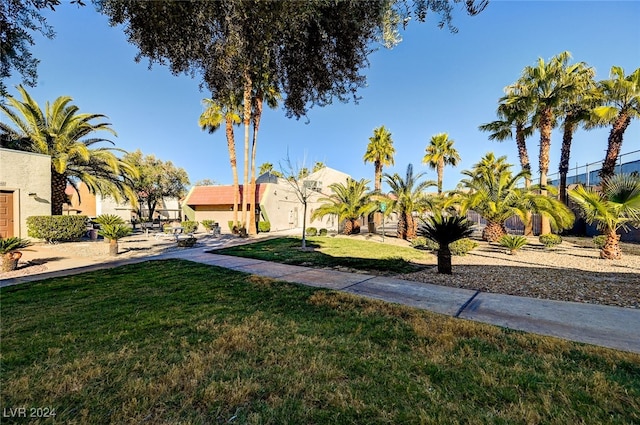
432,82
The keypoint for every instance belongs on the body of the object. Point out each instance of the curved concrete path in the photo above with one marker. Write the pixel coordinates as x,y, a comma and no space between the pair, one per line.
606,326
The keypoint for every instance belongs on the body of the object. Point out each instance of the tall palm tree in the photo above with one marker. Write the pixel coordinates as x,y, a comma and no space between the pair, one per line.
211,119
493,192
615,206
547,85
621,98
407,196
440,152
380,151
349,201
61,132
514,115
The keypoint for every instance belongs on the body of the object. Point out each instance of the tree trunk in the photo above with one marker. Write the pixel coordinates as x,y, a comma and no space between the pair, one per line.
565,155
614,145
545,146
377,216
493,231
10,261
247,124
252,192
304,226
526,166
58,195
444,259
611,249
231,146
113,247
440,172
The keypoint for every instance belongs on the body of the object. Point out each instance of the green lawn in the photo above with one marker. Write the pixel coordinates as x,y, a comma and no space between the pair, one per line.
170,342
372,257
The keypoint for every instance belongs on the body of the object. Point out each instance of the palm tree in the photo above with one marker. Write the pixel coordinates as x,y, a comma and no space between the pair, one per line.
441,152
621,98
547,86
407,196
615,206
211,119
318,166
349,202
444,230
494,193
380,151
61,132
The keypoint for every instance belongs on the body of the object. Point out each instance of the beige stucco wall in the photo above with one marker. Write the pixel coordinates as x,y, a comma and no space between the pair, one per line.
25,173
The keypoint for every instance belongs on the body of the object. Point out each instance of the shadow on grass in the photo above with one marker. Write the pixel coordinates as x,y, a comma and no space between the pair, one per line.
289,251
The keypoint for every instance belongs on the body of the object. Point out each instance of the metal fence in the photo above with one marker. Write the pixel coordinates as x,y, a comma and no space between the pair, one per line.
587,174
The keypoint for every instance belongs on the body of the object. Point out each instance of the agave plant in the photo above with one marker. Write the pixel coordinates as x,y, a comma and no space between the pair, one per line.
113,232
9,251
513,243
444,230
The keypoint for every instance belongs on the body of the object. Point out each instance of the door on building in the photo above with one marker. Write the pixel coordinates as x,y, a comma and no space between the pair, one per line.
6,214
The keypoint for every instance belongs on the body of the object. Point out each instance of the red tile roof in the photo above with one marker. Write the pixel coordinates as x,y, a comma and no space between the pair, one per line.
219,195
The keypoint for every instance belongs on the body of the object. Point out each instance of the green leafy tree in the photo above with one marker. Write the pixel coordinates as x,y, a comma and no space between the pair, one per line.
440,152
444,230
495,193
615,206
156,180
406,197
68,136
205,182
547,86
349,201
621,97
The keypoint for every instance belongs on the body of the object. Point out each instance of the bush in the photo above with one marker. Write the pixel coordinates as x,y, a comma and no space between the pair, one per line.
550,240
322,232
232,227
462,246
513,242
264,226
208,224
420,242
599,241
189,226
311,231
57,227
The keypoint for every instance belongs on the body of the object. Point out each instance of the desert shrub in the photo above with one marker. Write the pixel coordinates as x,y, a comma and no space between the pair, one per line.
110,219
550,240
208,224
189,226
264,226
599,241
311,231
513,242
233,228
322,232
462,246
57,227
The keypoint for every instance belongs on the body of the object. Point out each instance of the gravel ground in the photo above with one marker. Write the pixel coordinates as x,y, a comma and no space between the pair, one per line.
566,273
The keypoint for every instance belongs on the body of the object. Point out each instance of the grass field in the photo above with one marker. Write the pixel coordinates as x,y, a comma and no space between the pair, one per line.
334,252
172,342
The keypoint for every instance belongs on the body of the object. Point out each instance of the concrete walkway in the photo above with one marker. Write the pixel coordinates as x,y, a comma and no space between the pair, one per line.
606,326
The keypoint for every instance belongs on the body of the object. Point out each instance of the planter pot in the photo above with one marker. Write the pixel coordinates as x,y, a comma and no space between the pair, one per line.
10,261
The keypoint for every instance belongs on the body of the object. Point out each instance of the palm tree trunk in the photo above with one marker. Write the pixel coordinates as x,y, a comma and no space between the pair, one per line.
252,190
247,125
526,166
377,216
611,249
58,195
614,145
113,247
545,146
444,259
231,145
440,172
493,231
565,154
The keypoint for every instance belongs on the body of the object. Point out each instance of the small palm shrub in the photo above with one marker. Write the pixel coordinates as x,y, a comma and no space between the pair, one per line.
444,230
264,226
322,232
208,224
189,226
599,241
9,252
113,232
311,231
462,246
513,243
110,219
550,240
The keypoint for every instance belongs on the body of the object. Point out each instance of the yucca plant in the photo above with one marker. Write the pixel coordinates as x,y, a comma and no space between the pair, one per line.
513,243
113,232
444,230
9,251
